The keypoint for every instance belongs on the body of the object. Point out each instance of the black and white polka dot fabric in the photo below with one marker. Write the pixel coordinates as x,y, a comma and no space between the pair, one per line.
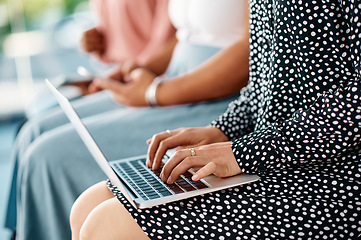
297,125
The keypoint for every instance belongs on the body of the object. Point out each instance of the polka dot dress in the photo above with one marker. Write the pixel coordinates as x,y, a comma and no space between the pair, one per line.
297,125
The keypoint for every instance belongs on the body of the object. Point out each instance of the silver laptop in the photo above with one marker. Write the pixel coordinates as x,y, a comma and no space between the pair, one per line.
141,186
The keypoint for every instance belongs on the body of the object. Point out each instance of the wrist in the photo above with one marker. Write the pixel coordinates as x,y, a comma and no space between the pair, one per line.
218,134
152,90
174,91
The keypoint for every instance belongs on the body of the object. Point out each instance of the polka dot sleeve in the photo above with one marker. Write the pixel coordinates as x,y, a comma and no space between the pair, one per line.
238,119
330,129
352,10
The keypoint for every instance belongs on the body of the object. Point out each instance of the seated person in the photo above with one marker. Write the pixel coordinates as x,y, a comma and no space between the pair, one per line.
129,33
297,125
127,39
199,77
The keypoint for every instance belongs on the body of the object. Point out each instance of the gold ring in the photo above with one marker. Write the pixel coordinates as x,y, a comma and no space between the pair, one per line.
168,131
193,152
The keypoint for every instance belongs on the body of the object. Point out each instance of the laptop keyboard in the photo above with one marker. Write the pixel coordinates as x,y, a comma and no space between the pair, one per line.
147,183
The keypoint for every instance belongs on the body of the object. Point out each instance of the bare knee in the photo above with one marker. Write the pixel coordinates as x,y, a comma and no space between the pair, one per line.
110,220
86,202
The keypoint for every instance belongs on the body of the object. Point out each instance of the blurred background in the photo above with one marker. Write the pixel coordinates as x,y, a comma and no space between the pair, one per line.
38,39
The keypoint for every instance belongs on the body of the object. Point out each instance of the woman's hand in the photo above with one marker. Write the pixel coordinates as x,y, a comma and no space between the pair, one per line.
130,93
120,73
217,159
93,41
183,138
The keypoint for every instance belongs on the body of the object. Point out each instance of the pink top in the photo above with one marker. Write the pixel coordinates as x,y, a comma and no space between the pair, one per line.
133,29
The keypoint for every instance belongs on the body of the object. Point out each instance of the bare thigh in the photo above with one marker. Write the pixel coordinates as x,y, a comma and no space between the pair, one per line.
110,220
86,202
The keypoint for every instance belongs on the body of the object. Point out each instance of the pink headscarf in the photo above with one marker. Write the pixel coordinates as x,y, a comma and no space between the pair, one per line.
133,29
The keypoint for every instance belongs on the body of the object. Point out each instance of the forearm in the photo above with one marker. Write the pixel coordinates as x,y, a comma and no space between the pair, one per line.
159,63
223,75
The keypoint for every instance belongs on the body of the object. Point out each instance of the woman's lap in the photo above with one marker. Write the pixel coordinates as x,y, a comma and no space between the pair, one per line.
85,107
290,204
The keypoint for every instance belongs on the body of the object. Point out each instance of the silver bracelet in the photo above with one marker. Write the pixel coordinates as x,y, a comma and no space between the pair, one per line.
151,92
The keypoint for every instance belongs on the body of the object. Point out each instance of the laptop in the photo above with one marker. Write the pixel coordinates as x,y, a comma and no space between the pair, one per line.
141,186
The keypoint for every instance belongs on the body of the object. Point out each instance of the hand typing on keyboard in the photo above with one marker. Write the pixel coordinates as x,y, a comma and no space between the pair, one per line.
216,157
